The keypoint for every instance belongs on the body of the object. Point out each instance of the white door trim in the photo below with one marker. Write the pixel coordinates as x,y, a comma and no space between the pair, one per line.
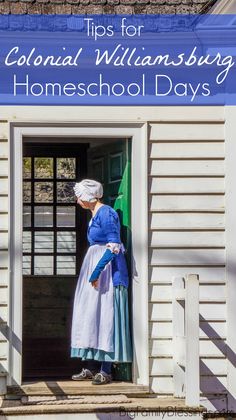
139,225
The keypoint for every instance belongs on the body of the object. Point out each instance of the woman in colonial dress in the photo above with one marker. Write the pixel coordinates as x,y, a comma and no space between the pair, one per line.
100,324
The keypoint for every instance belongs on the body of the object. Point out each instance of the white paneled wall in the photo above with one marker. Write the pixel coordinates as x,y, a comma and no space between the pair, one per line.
3,246
187,235
186,225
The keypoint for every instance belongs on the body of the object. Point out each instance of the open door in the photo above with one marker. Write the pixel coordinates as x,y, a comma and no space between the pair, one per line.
54,243
110,164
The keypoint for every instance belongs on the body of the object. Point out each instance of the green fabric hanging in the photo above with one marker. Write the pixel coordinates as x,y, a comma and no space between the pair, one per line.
123,200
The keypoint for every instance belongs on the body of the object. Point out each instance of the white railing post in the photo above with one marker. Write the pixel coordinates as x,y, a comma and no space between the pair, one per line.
192,371
178,336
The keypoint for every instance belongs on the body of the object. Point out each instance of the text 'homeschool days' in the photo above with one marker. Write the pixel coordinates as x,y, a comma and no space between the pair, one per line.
122,64
162,84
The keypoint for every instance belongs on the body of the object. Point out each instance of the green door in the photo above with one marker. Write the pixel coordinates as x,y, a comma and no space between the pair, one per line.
111,165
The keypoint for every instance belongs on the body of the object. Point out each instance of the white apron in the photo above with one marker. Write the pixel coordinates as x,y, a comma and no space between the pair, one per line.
93,312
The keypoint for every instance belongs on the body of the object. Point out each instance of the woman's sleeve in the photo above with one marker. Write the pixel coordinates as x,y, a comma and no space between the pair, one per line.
110,225
106,258
111,228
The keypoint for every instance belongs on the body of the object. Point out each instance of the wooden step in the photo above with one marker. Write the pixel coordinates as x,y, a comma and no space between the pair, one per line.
141,407
76,388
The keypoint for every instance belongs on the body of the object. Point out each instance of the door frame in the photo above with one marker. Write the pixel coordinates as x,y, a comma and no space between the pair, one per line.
139,225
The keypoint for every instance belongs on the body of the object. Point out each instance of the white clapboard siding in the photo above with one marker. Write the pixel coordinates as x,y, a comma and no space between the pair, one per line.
4,366
4,167
3,241
4,333
3,259
206,329
213,311
208,348
3,203
188,257
165,366
3,186
3,314
211,385
162,385
161,366
212,402
206,292
187,167
208,311
3,292
206,274
155,113
187,150
187,239
3,149
213,366
161,329
213,329
187,221
3,350
192,202
3,221
4,130
187,185
189,131
4,274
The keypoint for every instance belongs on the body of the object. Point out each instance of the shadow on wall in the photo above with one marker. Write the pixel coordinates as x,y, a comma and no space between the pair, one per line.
213,381
210,383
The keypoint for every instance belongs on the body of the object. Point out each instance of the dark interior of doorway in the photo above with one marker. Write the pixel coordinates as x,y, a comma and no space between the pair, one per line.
51,220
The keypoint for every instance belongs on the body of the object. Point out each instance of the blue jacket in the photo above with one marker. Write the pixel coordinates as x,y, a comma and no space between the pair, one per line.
103,228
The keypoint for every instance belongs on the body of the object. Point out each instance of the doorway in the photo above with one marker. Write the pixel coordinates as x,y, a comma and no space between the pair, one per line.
54,242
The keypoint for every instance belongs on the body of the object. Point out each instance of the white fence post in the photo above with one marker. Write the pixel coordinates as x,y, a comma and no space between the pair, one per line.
178,336
192,371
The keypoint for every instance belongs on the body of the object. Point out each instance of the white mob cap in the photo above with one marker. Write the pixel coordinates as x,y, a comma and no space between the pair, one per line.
88,190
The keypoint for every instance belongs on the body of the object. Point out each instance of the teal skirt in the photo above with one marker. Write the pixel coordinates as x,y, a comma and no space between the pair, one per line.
121,335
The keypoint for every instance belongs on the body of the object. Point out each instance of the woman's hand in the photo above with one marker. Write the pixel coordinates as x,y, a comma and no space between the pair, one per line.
95,283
